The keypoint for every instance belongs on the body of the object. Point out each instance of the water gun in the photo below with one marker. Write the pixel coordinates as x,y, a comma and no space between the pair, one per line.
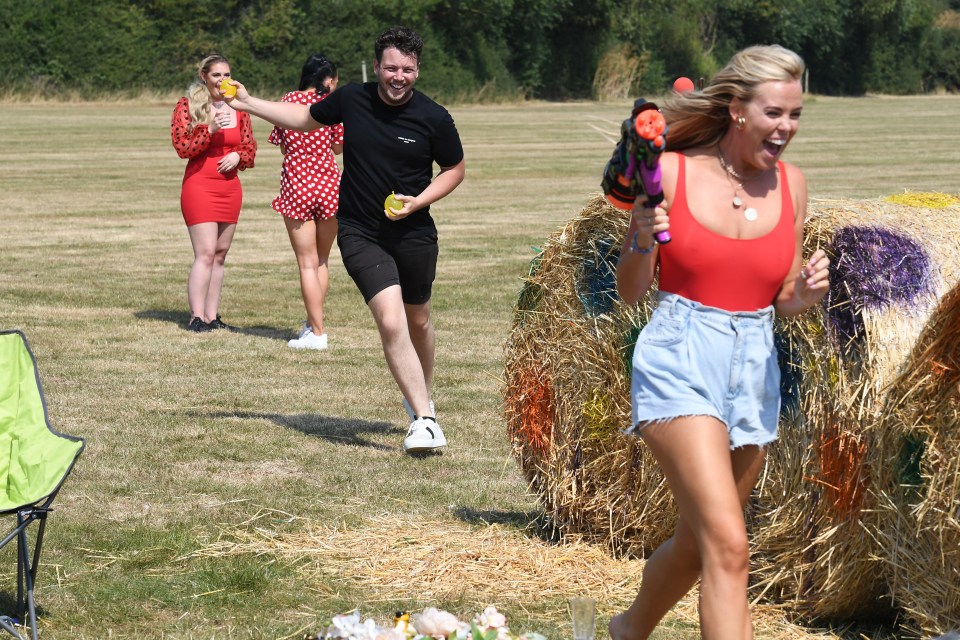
634,168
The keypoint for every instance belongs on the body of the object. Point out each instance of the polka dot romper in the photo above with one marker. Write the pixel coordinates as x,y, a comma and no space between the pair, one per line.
310,178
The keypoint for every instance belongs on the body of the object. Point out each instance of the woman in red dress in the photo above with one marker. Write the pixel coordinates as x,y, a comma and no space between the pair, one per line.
217,141
309,196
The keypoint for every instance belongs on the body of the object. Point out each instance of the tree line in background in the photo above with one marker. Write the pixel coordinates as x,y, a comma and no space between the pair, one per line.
476,50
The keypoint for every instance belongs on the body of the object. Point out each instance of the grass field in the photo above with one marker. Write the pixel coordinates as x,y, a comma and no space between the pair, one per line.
210,455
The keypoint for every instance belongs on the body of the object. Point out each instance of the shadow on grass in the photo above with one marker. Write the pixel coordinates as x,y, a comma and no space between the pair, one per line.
8,604
533,524
856,630
335,430
182,319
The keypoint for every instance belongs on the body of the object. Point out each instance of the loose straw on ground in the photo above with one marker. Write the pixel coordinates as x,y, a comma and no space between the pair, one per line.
391,558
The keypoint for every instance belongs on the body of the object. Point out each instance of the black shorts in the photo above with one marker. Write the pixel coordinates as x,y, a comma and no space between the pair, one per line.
376,263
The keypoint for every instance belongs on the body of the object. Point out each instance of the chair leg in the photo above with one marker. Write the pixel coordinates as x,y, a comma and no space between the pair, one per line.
26,571
21,541
38,543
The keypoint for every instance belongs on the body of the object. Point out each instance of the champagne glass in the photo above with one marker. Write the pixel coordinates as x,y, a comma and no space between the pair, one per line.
583,615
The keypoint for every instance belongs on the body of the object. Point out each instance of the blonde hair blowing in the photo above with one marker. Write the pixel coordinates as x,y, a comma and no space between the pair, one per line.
701,118
198,96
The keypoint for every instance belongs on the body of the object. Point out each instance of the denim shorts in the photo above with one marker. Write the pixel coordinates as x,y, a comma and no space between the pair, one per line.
694,360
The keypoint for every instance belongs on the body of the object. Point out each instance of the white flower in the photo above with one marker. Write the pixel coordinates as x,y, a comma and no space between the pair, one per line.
384,633
431,624
347,626
491,619
341,625
435,623
463,631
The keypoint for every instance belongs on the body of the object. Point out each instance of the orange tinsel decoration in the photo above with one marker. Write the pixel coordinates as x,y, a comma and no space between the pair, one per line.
842,470
530,409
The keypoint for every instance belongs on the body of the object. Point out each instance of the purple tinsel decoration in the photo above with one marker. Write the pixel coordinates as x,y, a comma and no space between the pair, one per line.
872,268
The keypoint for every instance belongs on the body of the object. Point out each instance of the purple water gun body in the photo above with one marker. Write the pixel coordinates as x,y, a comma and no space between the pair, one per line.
634,168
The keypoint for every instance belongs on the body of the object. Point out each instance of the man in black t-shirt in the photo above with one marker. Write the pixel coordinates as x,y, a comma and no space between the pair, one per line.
393,135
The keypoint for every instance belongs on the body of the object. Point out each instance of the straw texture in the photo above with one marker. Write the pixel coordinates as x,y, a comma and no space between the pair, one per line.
923,412
566,392
821,518
422,562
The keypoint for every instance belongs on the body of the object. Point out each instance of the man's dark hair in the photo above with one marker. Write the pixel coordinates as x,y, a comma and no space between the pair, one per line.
406,41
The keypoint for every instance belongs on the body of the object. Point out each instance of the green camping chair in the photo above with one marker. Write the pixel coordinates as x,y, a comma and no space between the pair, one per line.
34,462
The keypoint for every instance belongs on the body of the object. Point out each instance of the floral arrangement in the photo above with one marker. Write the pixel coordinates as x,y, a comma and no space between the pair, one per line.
430,624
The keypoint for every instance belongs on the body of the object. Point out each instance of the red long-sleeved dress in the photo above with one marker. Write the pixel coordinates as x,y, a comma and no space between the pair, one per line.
208,195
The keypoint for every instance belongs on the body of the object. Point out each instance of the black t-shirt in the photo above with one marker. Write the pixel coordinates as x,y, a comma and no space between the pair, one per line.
386,149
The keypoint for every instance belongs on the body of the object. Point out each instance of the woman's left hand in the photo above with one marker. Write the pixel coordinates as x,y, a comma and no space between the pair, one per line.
813,281
228,162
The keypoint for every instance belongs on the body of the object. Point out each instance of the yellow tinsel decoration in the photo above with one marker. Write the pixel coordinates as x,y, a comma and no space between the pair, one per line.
925,200
597,418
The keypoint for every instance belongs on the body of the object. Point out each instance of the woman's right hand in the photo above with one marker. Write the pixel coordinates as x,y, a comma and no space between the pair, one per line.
636,269
648,222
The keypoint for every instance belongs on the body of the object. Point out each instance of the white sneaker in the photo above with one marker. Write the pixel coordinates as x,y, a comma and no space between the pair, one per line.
309,340
409,410
305,330
424,435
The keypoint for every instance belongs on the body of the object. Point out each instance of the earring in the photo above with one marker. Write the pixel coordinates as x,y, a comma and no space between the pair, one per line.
741,123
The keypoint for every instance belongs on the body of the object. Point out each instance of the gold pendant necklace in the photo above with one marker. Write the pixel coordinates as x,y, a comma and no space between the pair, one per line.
750,214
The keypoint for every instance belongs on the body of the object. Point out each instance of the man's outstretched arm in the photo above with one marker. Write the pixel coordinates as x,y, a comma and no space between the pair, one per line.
283,114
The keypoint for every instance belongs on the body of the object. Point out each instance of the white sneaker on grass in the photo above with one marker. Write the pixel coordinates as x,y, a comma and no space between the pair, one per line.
309,340
424,435
409,410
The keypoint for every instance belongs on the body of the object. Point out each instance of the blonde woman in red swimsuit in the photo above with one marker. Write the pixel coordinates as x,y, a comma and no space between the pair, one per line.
309,196
705,384
218,142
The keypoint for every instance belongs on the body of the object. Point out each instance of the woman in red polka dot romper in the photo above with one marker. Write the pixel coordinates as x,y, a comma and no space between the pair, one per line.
309,195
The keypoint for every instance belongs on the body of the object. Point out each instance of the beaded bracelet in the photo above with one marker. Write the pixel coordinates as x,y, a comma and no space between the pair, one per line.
635,246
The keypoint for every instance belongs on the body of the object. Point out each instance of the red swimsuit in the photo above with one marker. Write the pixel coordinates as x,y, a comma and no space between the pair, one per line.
722,272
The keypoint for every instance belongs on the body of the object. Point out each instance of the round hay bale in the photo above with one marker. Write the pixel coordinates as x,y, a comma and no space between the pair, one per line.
923,406
567,386
826,491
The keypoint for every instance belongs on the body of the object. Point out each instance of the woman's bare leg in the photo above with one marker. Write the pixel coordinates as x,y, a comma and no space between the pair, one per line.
711,485
203,237
312,242
223,241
